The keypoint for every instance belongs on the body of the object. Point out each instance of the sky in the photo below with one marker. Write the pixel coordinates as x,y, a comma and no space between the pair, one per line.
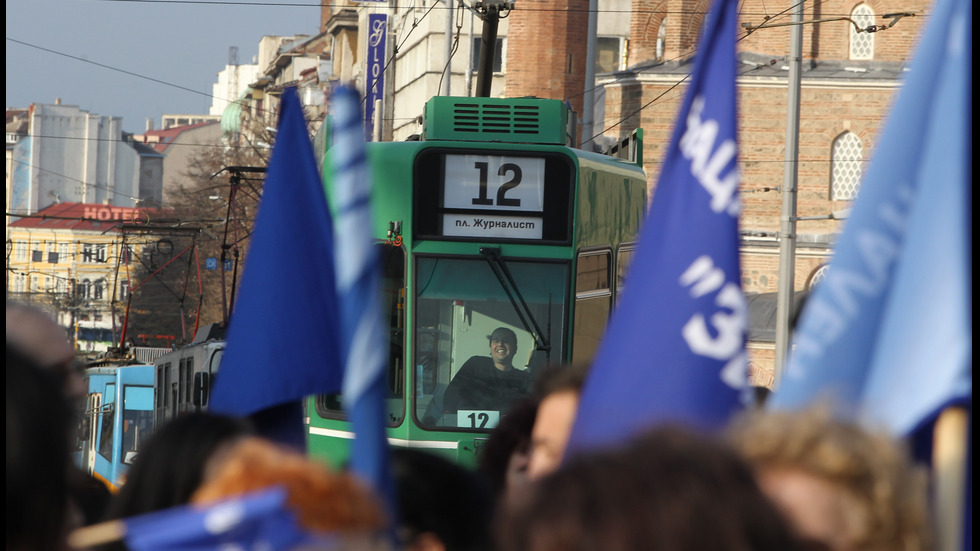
180,42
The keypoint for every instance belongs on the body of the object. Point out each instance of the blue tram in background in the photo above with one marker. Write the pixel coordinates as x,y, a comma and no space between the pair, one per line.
116,418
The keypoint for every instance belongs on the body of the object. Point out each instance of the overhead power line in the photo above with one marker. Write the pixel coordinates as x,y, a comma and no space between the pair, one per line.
438,6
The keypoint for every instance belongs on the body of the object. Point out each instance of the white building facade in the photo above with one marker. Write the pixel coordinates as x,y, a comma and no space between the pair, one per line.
71,155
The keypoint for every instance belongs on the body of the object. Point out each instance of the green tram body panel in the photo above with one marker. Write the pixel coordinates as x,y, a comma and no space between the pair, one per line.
602,210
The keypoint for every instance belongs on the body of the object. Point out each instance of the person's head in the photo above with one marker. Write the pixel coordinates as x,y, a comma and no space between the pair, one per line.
671,490
37,416
838,483
35,334
558,389
441,506
179,457
503,346
504,459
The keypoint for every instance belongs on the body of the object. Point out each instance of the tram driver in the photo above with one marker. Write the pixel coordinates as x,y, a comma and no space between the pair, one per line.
488,383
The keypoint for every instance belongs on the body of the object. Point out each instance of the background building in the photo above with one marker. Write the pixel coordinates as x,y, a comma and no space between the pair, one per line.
73,260
848,80
178,145
71,155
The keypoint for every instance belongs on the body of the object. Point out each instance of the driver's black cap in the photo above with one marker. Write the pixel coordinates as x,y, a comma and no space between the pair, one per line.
503,334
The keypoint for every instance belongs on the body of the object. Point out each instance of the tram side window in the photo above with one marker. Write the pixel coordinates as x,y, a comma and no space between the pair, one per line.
181,383
188,383
474,354
137,419
330,406
86,424
593,301
159,384
163,397
624,258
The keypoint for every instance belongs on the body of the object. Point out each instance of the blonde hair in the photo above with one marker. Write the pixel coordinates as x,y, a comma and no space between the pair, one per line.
872,469
322,500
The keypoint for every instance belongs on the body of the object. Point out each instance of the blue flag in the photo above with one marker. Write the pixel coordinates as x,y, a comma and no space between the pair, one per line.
259,521
364,333
283,339
887,337
675,347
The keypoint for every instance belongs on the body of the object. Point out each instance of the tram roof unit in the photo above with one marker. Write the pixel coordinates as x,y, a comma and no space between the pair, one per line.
510,120
527,120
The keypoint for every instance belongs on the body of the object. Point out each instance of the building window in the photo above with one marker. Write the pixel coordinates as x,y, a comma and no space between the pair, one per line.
123,289
862,43
98,289
845,172
127,254
93,253
661,39
498,55
817,276
609,55
83,289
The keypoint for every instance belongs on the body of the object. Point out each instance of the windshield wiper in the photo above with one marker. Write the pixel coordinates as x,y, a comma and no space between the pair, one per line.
541,340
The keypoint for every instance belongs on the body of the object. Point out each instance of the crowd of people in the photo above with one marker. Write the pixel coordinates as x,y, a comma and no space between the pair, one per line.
772,481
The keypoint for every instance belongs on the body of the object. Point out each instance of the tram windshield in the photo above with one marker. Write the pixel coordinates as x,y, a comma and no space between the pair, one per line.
484,328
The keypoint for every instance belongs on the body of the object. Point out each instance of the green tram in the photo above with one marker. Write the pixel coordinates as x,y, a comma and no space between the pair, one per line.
488,221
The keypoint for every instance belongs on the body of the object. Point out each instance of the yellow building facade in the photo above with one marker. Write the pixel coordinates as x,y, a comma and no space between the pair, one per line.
74,261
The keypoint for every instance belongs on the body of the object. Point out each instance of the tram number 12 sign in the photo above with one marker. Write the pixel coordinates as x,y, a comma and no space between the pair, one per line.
503,196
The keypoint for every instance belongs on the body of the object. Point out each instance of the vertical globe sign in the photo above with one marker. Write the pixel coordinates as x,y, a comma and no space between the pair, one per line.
375,85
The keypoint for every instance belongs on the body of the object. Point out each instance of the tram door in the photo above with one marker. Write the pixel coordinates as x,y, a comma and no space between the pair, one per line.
90,427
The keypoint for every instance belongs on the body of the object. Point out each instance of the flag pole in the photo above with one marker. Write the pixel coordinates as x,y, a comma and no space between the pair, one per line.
949,476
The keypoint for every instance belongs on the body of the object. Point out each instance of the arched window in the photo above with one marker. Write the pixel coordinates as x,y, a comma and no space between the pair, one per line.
817,276
845,167
862,43
661,39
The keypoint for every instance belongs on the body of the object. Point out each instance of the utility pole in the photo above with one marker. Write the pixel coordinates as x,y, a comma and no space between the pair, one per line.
490,11
787,225
448,71
588,98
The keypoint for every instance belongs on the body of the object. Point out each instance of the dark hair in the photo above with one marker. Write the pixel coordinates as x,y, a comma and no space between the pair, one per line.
501,333
671,490
439,497
171,466
37,457
512,435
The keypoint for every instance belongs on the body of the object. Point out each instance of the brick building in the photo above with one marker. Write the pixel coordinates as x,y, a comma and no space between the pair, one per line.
848,80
